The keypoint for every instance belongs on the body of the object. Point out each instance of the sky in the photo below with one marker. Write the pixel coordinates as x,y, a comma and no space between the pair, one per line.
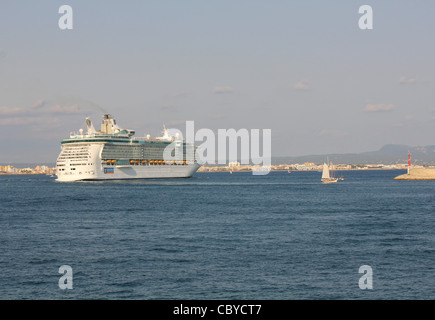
303,69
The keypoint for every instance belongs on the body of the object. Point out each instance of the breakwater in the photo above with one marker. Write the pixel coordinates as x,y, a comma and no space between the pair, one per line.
418,174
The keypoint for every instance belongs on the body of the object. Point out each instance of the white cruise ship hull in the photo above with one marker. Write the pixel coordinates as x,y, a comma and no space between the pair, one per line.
113,154
131,172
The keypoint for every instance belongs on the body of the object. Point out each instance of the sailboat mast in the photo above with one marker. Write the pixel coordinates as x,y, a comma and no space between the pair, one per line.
331,166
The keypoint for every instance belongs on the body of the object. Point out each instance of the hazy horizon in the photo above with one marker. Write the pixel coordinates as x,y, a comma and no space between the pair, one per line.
303,69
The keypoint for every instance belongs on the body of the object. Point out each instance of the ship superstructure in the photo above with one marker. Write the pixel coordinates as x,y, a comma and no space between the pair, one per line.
113,153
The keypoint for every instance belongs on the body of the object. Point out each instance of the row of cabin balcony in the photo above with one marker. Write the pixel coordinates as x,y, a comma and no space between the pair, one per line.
145,162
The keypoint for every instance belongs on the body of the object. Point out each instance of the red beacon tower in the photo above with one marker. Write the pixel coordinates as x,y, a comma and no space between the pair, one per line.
409,161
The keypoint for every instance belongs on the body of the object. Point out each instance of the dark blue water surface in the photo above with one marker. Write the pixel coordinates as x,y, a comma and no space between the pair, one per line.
218,236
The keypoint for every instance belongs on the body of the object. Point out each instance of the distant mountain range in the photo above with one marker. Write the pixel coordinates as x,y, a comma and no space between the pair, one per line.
388,154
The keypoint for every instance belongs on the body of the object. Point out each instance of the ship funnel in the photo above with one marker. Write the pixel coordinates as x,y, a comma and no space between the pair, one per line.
91,128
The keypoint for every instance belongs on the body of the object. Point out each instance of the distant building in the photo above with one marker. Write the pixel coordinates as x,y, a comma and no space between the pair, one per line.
10,169
234,164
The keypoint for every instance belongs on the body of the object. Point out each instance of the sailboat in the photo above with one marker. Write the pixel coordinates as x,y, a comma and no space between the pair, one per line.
326,175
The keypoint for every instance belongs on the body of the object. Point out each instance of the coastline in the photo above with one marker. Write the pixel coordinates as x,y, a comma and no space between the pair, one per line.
417,173
226,169
24,174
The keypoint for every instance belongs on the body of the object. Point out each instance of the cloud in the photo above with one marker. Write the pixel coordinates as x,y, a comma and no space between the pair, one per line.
8,111
29,120
39,113
379,107
39,104
405,80
223,90
40,107
302,85
74,109
85,105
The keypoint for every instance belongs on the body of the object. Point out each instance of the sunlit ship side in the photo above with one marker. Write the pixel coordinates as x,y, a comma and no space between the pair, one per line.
113,153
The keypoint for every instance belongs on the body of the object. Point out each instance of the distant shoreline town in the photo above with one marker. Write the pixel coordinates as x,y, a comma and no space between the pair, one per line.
232,167
308,166
11,170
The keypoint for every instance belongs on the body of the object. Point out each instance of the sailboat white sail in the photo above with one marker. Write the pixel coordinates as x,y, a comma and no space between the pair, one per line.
326,175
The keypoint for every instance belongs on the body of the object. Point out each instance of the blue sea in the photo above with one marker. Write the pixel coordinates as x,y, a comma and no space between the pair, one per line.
218,236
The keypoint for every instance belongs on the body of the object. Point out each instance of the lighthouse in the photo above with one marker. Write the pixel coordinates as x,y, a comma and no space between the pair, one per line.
409,161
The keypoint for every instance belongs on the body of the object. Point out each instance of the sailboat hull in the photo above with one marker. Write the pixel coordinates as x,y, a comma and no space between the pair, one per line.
329,180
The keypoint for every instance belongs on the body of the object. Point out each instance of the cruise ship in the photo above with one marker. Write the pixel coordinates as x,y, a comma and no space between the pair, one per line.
113,153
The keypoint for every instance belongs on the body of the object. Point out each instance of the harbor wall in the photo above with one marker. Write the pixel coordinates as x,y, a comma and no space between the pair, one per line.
418,174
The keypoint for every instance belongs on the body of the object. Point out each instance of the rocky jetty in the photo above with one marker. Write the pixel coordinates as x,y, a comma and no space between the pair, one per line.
418,174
